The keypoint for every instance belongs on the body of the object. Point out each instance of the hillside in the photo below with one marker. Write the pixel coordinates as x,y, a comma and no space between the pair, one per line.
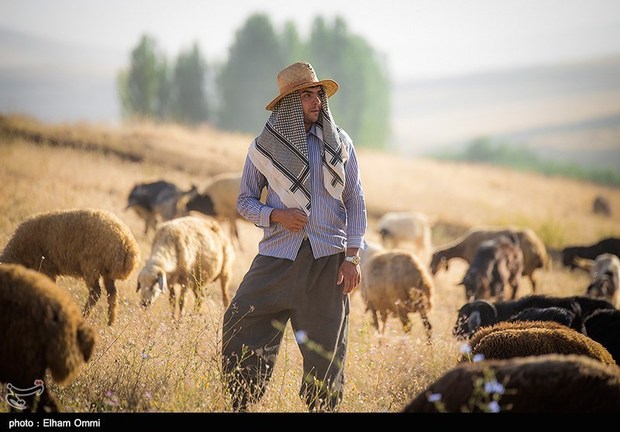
145,362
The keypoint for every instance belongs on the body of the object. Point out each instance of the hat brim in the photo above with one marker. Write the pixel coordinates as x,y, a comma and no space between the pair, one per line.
330,87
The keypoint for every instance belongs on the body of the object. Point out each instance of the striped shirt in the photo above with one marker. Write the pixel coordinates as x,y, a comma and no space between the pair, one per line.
332,225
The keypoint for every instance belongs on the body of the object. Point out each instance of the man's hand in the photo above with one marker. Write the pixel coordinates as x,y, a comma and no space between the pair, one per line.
292,219
350,274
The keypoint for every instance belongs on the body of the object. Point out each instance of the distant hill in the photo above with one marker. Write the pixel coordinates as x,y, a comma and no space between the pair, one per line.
568,112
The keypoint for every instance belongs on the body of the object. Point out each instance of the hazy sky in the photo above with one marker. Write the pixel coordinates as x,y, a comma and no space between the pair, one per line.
421,38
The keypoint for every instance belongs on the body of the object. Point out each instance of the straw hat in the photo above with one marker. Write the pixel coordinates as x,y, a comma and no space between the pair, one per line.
299,76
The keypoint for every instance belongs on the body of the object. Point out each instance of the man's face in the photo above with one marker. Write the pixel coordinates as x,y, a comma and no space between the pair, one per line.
311,103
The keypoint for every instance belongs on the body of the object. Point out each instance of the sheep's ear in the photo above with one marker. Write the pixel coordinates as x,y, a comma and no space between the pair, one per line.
473,322
161,281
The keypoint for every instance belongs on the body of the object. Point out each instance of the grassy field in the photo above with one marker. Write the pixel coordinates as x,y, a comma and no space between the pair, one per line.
147,362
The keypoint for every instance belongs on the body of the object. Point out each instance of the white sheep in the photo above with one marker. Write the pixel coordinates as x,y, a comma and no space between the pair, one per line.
410,227
190,251
396,281
604,277
41,328
87,244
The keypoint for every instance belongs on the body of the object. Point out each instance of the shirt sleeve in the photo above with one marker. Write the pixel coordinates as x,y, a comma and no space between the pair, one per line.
353,198
248,201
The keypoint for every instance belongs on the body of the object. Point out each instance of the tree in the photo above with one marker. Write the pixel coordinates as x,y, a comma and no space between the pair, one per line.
189,88
141,87
362,102
246,81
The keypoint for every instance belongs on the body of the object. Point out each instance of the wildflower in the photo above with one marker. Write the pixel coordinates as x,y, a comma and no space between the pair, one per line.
465,348
477,358
145,355
434,397
494,407
301,336
494,387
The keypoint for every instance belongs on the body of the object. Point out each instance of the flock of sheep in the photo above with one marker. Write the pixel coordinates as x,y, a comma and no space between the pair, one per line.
519,338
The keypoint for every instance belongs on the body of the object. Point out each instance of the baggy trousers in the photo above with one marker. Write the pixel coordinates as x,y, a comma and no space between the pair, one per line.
273,291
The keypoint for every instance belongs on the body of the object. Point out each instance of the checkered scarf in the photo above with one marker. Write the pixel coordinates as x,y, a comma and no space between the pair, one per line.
280,153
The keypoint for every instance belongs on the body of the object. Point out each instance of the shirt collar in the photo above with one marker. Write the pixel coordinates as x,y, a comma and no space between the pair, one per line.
313,130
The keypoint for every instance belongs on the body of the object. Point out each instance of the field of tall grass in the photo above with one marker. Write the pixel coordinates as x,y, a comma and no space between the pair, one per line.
147,362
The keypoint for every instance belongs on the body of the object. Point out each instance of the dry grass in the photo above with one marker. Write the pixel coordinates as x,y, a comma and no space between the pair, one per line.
145,362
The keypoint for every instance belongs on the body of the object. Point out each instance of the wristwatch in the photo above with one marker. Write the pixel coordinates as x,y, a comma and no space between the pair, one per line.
353,259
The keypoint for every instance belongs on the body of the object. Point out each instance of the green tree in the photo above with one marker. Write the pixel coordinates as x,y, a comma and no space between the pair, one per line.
140,87
362,102
189,88
246,81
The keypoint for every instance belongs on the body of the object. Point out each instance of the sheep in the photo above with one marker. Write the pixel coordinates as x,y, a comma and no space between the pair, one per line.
605,277
189,251
535,254
412,227
83,243
40,328
479,313
398,282
219,199
604,327
560,315
497,262
366,254
601,206
524,385
606,245
160,200
519,339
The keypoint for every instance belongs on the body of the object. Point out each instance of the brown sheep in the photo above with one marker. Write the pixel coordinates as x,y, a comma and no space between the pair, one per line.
498,262
601,206
528,338
190,251
398,282
550,383
87,244
41,327
535,254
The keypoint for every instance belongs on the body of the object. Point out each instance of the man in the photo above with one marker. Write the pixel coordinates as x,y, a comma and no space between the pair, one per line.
314,220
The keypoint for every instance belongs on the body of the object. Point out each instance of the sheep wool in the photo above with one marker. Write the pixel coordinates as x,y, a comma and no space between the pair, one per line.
190,251
41,328
87,244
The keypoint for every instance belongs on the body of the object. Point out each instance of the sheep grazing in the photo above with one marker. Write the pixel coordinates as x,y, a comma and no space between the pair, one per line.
480,313
520,339
604,327
606,245
40,328
601,206
411,227
219,199
190,251
535,254
605,277
546,384
497,262
88,244
398,282
159,201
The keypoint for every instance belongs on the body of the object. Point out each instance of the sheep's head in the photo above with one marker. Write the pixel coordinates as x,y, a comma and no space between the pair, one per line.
602,287
472,316
70,341
151,283
438,262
